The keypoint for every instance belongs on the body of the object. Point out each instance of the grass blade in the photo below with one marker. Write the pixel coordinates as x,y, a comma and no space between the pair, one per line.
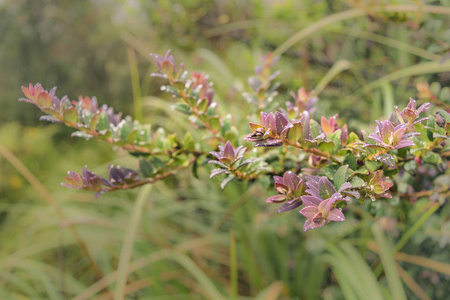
419,69
345,15
387,258
354,13
387,42
135,84
198,274
339,67
233,267
127,247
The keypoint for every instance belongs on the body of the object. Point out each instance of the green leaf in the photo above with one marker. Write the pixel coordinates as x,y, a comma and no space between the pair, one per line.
202,104
226,181
308,144
191,101
352,137
335,137
391,172
125,131
103,122
182,107
44,99
326,146
146,167
226,126
315,129
214,122
295,132
82,134
87,116
189,142
195,168
329,171
350,160
340,177
372,166
211,111
156,163
432,158
357,182
387,159
94,121
179,85
131,139
71,115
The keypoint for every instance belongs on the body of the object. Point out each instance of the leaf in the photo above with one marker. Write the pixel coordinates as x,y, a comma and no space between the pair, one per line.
372,166
131,139
188,142
44,99
146,167
269,143
357,182
103,122
226,126
218,171
202,104
293,204
350,160
329,171
352,137
308,144
125,130
71,115
387,159
245,162
87,116
214,122
195,168
190,101
315,129
218,163
340,177
94,121
182,107
49,118
226,181
432,158
326,146
335,137
295,132
326,189
81,134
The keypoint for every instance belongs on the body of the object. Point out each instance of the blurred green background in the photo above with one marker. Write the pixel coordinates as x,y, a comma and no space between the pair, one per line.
192,240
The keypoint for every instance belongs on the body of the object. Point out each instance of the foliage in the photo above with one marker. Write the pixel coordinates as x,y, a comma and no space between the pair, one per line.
184,244
334,152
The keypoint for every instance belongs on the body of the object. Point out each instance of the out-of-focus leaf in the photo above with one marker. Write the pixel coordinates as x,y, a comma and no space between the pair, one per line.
357,182
326,146
71,115
432,158
226,181
387,159
372,166
182,107
146,167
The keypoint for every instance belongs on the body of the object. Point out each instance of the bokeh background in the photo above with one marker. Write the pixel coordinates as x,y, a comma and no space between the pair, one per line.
194,241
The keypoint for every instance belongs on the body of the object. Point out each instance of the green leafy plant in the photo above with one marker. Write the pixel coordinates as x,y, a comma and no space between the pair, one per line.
324,164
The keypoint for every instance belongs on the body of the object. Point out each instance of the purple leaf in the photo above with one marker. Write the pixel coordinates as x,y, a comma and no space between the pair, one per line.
293,204
276,199
336,215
